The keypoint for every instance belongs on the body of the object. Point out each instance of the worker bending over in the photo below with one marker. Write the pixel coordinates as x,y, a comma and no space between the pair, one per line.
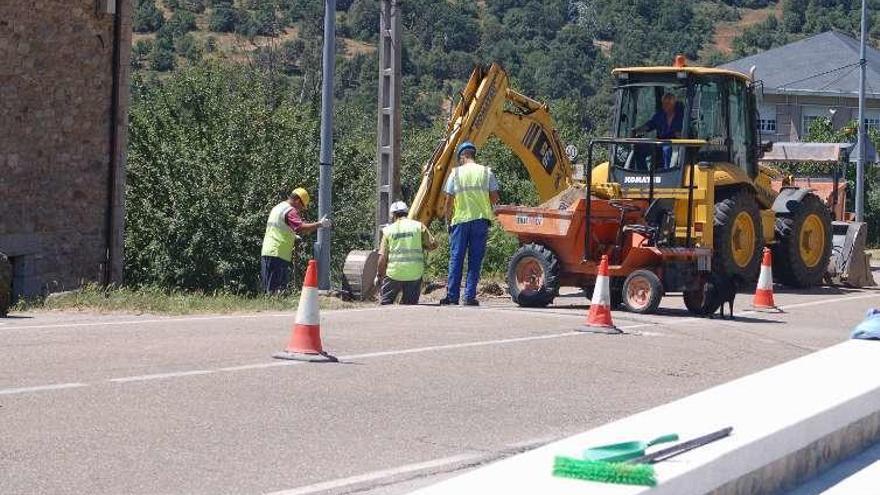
282,229
402,256
471,195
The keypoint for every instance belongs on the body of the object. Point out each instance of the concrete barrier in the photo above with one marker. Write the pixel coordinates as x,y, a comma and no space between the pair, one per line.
790,423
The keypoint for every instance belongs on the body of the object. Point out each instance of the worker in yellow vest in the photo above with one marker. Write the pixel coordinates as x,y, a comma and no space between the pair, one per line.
471,195
402,256
282,230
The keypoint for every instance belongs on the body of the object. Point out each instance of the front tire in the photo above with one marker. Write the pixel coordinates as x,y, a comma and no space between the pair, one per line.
533,276
803,247
642,292
738,236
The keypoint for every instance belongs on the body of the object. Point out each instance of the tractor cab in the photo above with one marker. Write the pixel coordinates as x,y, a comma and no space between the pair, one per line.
681,104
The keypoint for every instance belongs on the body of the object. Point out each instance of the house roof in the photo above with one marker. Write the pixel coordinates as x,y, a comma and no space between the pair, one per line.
813,66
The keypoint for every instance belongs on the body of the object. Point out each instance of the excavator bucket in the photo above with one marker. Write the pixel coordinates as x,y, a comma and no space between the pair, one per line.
849,264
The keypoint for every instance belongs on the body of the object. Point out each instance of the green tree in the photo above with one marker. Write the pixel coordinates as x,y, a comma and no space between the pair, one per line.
147,17
212,149
182,22
195,6
162,56
188,47
140,52
266,20
363,19
223,17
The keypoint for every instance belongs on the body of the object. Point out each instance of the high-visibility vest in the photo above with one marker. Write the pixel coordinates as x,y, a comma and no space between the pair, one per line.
279,238
406,257
470,184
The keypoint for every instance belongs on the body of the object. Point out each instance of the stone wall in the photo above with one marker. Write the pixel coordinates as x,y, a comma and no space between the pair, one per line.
56,101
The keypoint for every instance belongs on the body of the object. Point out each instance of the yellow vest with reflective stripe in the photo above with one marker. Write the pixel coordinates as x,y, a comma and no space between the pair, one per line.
406,258
279,237
470,184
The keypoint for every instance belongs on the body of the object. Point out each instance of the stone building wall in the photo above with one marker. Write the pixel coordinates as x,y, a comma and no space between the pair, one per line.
56,129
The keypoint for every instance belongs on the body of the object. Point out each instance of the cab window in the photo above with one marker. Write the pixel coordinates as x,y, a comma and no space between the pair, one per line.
709,122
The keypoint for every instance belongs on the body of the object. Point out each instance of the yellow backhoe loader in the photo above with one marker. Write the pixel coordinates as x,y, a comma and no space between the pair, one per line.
737,211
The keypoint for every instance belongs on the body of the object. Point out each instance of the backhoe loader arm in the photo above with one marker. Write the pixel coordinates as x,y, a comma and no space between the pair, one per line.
489,107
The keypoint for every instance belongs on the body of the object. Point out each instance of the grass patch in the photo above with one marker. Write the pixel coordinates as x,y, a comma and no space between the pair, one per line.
94,298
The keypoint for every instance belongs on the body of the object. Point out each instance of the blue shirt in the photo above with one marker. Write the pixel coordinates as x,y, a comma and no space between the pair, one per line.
665,130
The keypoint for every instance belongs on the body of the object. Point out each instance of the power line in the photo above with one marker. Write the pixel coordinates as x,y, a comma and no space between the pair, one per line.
819,74
841,77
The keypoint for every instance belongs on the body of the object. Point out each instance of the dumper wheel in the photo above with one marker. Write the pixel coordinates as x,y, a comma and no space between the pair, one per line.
642,292
738,236
800,256
533,276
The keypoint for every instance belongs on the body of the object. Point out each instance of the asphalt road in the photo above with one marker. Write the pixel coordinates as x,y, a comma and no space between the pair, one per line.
145,404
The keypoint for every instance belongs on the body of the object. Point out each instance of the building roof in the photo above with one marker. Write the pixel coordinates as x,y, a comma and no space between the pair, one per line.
813,66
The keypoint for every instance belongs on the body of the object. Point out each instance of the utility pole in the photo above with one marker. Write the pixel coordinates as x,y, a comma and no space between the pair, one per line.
325,177
388,137
863,137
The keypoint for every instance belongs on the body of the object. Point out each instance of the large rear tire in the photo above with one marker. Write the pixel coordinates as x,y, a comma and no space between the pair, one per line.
803,247
738,236
533,276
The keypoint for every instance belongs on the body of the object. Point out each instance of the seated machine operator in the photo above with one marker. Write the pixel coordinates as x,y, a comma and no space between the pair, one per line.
668,123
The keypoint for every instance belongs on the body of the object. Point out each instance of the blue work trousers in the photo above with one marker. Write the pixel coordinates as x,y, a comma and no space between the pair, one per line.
468,238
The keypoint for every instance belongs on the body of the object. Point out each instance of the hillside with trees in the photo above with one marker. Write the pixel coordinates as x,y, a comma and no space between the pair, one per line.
226,96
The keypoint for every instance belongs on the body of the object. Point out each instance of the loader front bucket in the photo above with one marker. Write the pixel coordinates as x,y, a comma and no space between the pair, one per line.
849,264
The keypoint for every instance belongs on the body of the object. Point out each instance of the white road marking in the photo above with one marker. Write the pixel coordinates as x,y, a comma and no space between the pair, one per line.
828,301
159,376
258,366
40,388
383,474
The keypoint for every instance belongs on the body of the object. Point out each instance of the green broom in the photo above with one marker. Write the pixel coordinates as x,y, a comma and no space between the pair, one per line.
638,471
606,472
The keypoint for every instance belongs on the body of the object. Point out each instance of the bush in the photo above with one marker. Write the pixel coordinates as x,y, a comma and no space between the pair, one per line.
223,17
182,22
195,6
188,47
212,149
147,17
140,51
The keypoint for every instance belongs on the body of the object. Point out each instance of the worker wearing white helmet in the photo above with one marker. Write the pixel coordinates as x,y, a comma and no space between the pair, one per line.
402,256
282,230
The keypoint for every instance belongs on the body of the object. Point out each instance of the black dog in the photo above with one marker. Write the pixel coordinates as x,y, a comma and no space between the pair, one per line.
720,289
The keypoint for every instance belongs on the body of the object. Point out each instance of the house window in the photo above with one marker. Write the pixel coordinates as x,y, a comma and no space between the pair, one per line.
872,122
767,119
809,115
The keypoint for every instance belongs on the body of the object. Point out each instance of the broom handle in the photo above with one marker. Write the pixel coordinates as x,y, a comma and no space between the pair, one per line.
681,448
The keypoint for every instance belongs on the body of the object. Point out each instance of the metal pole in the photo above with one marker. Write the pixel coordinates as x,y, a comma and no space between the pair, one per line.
325,178
863,138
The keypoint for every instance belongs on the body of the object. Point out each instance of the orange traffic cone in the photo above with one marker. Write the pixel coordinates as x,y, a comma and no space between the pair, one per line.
305,338
763,300
599,316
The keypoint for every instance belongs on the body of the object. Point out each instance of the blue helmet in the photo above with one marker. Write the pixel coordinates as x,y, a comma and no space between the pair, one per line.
465,145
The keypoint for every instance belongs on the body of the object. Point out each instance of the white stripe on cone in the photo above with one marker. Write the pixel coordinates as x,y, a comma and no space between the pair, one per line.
765,280
602,292
307,312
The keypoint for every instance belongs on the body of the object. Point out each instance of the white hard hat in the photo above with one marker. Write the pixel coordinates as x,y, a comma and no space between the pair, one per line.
398,207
